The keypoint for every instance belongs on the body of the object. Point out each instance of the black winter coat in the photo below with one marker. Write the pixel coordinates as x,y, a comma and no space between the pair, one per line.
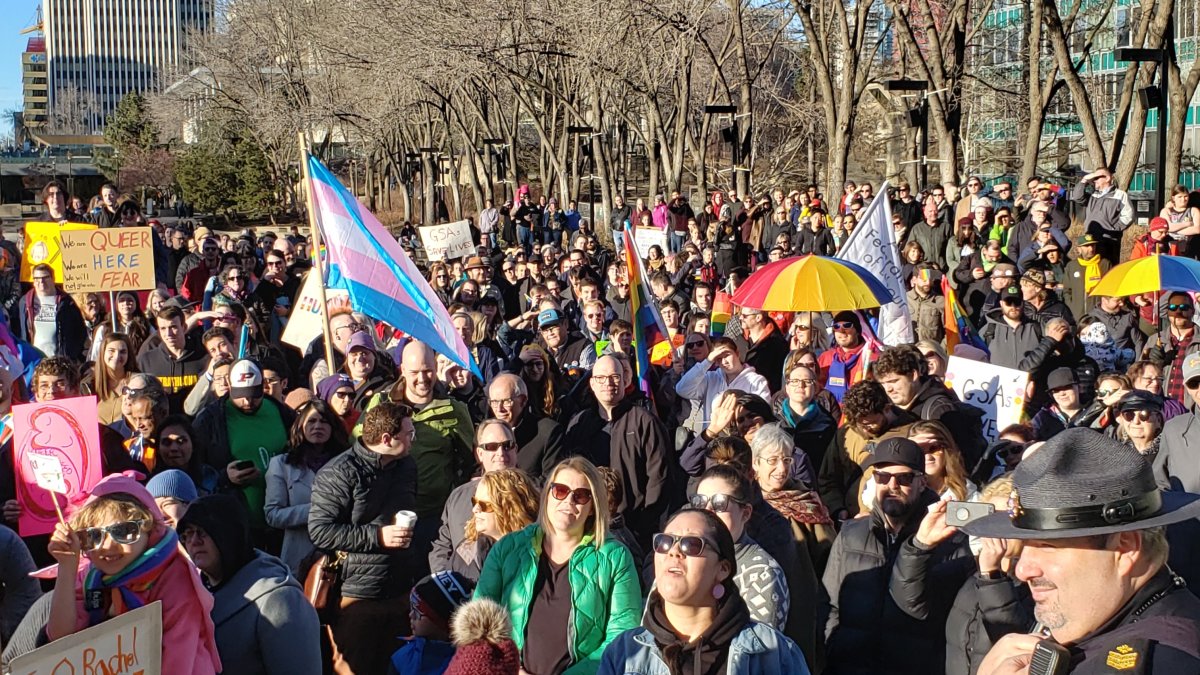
982,611
539,444
353,496
866,632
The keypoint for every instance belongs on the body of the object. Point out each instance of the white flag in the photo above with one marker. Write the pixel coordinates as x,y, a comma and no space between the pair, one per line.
872,245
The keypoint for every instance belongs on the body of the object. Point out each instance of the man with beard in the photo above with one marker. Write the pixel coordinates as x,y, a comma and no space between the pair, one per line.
844,365
865,631
1095,558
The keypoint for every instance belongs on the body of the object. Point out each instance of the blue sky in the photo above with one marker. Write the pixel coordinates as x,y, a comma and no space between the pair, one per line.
15,15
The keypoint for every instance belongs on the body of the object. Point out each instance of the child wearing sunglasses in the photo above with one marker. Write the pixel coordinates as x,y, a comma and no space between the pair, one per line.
133,559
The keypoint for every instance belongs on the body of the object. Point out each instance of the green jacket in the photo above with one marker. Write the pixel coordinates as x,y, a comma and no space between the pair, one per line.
606,598
442,449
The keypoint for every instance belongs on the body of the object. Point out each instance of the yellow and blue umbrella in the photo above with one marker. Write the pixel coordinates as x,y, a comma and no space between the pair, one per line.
811,284
1149,274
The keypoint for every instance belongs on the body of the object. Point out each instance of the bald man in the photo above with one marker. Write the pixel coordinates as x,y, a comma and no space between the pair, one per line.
539,439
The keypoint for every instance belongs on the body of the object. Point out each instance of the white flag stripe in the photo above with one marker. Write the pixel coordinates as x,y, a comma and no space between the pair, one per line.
872,245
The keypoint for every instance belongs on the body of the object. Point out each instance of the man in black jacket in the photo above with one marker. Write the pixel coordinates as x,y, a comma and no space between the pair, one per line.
356,500
177,361
539,439
631,441
865,630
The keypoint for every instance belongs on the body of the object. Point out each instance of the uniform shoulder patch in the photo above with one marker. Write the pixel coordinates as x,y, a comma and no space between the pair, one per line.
1128,657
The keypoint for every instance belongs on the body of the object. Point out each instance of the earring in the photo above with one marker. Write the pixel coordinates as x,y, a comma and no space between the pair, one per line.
718,591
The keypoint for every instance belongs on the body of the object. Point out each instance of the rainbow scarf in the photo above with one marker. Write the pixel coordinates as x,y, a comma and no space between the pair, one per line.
131,583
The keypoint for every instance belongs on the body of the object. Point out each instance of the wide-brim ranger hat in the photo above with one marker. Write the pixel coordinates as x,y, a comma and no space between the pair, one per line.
1083,483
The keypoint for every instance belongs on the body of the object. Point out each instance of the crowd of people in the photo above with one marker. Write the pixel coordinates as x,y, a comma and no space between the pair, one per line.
785,495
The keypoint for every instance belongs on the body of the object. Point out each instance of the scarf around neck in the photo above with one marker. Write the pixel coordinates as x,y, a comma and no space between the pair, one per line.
1091,272
841,369
131,583
802,506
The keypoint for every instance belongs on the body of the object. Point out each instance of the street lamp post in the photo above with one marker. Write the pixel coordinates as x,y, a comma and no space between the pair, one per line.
918,117
730,134
591,167
1154,97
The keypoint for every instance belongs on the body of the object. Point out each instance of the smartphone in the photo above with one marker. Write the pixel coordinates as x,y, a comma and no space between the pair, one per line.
243,465
961,513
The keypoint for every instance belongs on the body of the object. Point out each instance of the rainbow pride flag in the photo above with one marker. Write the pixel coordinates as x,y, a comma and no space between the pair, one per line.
958,327
648,326
721,311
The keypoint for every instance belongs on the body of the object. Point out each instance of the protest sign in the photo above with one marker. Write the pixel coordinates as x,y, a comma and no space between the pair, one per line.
111,259
304,324
43,244
645,237
65,431
446,241
130,643
999,392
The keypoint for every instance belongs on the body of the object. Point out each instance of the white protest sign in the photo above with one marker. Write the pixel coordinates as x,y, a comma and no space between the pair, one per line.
645,237
448,240
999,392
304,323
130,643
48,473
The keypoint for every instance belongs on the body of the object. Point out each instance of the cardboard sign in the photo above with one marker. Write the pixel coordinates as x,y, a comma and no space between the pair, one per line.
645,237
64,431
110,259
999,392
130,643
43,244
304,323
446,241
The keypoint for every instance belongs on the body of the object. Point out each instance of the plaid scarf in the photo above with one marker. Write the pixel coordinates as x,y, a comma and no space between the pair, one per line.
802,506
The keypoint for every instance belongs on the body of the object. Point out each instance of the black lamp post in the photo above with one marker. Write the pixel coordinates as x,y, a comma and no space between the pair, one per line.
918,118
577,130
729,134
1154,97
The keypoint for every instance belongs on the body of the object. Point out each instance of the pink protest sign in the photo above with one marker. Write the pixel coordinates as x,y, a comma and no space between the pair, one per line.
67,431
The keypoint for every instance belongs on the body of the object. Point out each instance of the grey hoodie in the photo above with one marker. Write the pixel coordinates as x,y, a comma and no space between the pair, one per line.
1009,346
264,625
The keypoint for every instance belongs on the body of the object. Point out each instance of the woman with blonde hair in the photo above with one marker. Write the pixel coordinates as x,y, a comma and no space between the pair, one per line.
945,471
505,501
569,589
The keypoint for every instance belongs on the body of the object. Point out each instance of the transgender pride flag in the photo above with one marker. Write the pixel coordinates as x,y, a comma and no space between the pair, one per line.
369,264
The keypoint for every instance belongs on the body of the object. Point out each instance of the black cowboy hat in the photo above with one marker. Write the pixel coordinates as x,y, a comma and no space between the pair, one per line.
1083,483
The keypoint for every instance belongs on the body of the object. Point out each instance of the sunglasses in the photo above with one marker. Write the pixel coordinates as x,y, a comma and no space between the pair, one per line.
497,447
484,507
689,545
1011,303
1141,415
717,503
1105,393
695,345
125,533
843,325
902,479
579,496
1178,308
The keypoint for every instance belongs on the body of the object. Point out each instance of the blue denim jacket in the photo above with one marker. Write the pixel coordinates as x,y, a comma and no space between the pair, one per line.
757,650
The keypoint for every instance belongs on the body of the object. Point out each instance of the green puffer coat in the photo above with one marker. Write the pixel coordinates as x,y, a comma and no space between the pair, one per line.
606,598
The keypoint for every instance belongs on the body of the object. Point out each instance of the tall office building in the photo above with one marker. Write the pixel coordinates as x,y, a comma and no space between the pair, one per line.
106,49
34,83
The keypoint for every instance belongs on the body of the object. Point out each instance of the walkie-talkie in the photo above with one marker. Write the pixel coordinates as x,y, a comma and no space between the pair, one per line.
1050,658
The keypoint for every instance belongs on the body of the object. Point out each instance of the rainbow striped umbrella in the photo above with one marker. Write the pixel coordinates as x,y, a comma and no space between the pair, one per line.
811,283
1149,274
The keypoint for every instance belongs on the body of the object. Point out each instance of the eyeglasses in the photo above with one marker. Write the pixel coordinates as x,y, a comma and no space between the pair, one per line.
902,479
717,503
484,507
44,277
126,533
593,315
496,447
1178,308
131,392
1141,415
801,382
843,325
1011,302
579,496
1158,379
689,545
606,379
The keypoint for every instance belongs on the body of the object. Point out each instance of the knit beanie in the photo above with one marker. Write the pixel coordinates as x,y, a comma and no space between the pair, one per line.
439,594
174,484
482,632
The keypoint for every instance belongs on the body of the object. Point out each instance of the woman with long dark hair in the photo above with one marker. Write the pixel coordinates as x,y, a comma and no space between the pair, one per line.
180,448
316,437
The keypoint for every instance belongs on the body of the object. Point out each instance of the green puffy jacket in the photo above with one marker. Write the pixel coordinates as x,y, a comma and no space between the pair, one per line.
606,598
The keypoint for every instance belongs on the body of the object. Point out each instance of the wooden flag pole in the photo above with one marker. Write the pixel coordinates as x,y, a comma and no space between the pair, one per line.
307,187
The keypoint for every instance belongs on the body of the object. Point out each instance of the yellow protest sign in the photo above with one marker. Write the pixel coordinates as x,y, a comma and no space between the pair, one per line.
43,244
109,259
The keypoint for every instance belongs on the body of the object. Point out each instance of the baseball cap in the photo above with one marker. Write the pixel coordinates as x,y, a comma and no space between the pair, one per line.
360,340
1086,240
245,380
1159,223
549,317
899,451
1191,366
1011,293
1061,378
1037,277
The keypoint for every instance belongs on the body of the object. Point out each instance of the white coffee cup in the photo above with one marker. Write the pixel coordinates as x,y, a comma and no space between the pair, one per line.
406,519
